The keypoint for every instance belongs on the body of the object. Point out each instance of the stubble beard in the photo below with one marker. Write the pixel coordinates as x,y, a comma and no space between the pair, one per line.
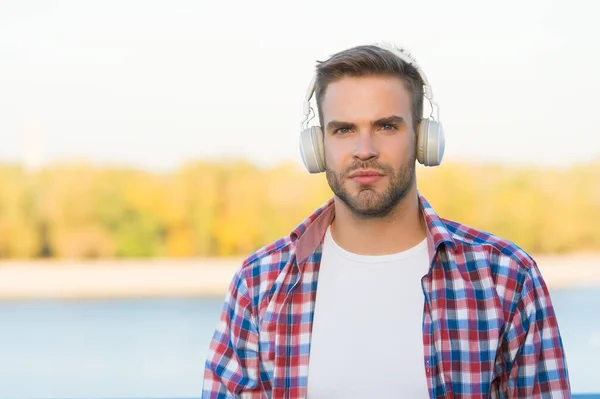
368,203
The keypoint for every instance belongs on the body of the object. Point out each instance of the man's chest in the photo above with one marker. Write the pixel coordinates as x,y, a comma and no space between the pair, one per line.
367,330
324,324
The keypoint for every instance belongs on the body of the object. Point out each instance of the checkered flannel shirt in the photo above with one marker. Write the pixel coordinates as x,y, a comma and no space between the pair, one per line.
489,327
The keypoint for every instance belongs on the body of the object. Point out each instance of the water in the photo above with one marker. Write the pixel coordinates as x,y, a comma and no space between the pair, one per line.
156,347
124,348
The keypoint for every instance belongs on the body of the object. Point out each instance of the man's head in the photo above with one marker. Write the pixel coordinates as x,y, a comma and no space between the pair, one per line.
370,103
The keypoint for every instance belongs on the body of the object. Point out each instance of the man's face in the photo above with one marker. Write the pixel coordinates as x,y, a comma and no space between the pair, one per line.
370,145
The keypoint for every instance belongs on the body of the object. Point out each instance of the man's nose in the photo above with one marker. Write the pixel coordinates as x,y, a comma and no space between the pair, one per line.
365,147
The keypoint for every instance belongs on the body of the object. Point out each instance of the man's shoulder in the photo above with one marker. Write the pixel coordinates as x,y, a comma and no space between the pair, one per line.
258,273
271,257
488,260
477,243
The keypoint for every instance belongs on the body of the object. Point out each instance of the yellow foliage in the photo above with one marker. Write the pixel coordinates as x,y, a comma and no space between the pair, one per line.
179,242
84,242
232,208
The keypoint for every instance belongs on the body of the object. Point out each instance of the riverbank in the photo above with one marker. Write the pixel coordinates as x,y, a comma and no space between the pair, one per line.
197,277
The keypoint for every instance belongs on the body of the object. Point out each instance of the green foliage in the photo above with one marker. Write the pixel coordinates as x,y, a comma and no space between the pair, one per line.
232,208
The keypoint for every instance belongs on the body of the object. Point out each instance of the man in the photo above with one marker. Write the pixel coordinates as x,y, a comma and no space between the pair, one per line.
374,295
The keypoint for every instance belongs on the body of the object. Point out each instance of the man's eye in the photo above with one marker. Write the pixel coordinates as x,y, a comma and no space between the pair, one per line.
389,127
342,130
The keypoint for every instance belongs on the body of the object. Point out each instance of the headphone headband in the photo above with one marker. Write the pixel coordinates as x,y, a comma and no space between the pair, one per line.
428,91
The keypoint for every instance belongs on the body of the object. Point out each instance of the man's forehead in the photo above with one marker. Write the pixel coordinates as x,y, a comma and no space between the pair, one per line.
369,98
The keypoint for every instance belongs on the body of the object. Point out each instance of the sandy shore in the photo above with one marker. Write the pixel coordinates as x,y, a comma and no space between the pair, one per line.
197,277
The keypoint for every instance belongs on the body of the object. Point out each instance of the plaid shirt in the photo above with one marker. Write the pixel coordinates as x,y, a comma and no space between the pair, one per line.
489,328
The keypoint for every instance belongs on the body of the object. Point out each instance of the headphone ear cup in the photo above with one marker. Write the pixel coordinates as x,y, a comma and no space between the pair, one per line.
311,149
431,143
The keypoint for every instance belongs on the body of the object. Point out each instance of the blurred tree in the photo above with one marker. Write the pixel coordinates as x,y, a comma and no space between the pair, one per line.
19,219
232,207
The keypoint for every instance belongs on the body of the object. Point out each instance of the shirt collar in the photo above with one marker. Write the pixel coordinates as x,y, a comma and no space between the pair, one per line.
309,234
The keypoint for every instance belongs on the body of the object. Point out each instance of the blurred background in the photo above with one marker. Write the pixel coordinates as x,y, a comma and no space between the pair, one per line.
146,147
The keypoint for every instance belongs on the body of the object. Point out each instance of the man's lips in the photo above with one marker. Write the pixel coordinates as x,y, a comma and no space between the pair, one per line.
365,176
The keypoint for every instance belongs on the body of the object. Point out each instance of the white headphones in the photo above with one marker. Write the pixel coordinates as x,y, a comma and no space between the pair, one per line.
430,137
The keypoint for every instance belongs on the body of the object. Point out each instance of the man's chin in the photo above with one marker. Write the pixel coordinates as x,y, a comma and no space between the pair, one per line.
369,210
365,191
365,203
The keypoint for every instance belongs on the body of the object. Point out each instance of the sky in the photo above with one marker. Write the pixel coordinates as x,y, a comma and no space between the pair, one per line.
154,84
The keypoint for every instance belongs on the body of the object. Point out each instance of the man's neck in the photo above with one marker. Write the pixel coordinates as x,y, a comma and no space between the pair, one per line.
400,230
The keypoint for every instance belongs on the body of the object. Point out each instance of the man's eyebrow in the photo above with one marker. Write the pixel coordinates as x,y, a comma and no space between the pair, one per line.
332,125
393,119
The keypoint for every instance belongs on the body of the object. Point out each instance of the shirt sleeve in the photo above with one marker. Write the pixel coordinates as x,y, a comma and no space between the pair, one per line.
534,358
232,364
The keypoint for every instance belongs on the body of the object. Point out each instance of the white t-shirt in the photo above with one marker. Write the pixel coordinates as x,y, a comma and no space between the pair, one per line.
367,329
